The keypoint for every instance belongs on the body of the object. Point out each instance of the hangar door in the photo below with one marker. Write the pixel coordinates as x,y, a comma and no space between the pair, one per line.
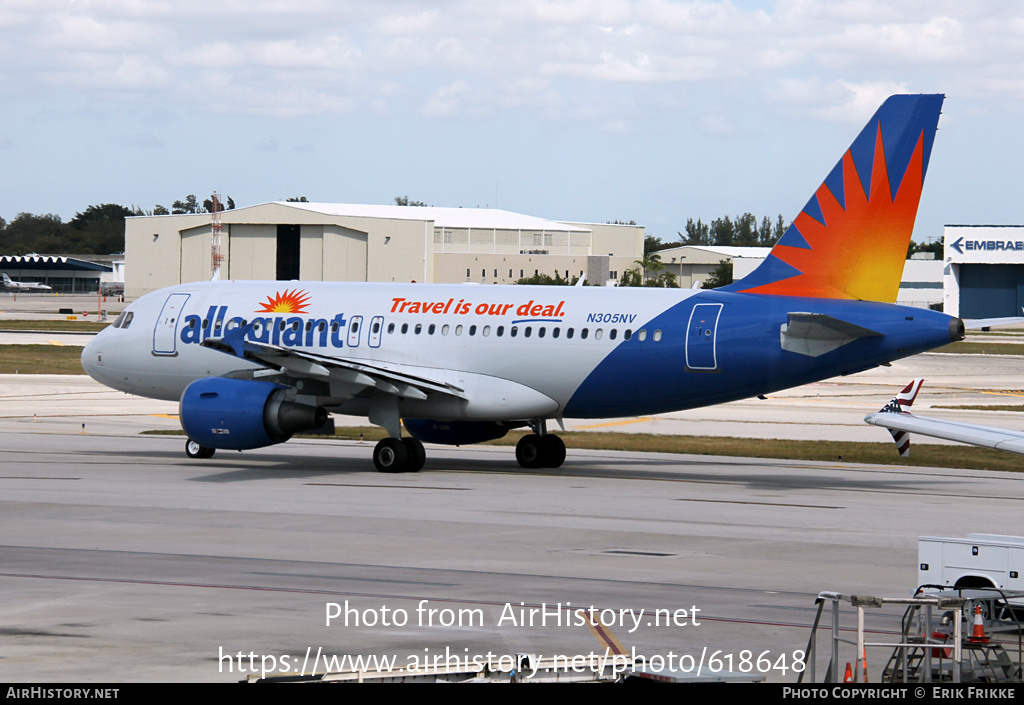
991,290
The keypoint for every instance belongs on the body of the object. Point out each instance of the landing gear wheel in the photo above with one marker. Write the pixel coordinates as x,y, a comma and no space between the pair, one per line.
194,450
391,455
531,451
554,449
417,454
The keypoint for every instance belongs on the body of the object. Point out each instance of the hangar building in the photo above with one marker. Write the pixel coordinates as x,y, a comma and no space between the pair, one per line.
983,276
695,263
344,242
64,275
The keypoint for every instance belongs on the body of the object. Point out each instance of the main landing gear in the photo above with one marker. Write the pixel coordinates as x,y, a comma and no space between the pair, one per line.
399,455
540,449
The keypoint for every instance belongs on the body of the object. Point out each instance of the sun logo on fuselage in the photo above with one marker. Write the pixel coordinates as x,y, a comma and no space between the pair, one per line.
294,301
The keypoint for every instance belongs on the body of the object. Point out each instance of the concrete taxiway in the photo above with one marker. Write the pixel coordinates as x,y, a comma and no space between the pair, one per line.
121,559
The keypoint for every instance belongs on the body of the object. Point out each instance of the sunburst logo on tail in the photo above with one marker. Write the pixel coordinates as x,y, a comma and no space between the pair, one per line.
850,240
294,301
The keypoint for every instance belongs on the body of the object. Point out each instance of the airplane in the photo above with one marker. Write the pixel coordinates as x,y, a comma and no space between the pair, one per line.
902,423
251,363
23,286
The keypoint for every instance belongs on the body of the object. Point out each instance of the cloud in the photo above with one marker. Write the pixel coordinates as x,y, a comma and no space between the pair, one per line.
446,101
560,56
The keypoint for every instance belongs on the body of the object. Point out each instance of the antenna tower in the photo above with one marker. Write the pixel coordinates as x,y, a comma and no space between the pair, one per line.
216,258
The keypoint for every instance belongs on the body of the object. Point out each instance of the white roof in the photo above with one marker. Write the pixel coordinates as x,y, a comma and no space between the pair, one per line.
760,252
476,218
727,250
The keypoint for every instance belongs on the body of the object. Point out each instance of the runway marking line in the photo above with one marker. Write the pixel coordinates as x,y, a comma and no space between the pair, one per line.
760,504
604,636
616,423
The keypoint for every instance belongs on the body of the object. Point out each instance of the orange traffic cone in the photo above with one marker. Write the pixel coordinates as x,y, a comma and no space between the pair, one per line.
978,633
864,664
848,676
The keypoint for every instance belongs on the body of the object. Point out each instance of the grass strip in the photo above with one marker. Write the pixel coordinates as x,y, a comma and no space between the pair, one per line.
41,360
56,325
963,347
881,453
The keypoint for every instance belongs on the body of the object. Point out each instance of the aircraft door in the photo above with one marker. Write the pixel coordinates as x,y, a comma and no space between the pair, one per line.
165,337
702,337
355,324
376,325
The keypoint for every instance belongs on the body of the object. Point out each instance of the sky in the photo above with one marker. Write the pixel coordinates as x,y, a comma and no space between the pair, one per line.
654,111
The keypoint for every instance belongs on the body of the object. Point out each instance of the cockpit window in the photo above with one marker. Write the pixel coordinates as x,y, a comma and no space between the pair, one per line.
128,316
119,320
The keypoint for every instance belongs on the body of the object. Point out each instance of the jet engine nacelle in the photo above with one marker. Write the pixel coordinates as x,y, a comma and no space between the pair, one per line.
238,414
454,433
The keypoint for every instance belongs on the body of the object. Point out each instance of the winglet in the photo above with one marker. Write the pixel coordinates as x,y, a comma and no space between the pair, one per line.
896,406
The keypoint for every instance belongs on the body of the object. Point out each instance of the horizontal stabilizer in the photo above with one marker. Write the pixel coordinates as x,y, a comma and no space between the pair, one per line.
815,334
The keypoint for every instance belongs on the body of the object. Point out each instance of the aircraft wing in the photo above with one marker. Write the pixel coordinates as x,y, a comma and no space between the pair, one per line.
986,323
972,434
345,377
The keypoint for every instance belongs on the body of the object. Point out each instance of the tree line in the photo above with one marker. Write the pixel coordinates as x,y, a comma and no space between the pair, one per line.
98,230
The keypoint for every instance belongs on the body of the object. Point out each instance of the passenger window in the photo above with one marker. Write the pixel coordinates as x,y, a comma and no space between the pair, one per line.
354,329
568,333
418,328
657,336
527,331
628,334
555,332
391,327
598,333
430,329
376,326
642,335
444,329
486,331
541,331
513,331
612,333
405,328
472,330
501,331
583,334
458,330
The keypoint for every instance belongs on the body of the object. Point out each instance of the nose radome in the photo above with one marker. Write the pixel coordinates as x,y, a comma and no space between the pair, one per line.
92,356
